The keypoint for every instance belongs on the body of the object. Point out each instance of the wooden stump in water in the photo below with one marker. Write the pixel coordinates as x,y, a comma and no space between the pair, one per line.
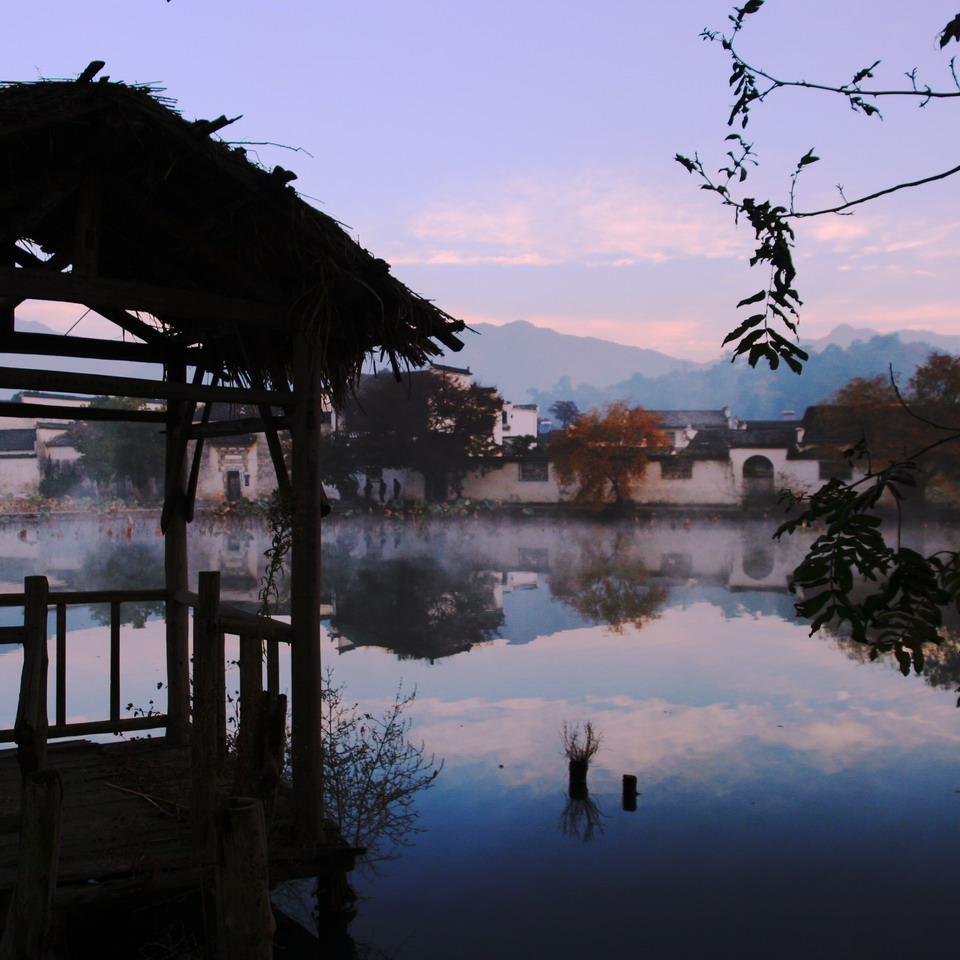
578,779
629,793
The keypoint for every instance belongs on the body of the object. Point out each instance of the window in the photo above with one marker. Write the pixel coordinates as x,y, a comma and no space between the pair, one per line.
534,470
676,469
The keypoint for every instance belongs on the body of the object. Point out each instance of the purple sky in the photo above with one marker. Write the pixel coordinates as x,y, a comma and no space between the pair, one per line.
513,160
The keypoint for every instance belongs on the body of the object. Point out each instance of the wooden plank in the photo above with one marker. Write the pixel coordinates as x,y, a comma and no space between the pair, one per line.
16,378
89,728
33,284
89,348
51,411
86,597
238,427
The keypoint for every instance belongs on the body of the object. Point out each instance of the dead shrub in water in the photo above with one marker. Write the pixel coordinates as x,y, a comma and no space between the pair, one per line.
580,744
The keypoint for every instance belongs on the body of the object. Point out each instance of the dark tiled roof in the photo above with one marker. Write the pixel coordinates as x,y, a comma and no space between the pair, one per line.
701,419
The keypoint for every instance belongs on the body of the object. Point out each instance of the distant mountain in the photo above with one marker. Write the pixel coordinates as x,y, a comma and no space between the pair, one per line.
845,336
518,357
759,394
528,362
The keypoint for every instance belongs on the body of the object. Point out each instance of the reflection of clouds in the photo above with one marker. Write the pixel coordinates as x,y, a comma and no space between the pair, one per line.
658,739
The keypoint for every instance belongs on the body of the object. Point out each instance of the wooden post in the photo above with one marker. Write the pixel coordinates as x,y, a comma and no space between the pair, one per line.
208,696
630,793
305,596
29,930
251,705
176,572
30,728
246,918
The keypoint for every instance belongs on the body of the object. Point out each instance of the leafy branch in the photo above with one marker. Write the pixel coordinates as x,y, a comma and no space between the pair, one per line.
905,611
755,336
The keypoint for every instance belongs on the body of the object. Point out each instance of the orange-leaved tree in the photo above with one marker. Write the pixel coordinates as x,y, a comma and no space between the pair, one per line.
605,451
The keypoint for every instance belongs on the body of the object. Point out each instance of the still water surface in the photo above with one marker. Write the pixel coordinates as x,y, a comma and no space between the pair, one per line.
796,801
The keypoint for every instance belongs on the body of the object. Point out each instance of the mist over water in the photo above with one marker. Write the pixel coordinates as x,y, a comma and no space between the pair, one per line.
787,785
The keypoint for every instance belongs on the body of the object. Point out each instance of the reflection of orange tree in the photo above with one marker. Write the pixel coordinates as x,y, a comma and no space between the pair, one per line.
606,587
418,608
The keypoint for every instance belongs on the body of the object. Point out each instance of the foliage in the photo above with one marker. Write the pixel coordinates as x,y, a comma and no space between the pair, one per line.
566,411
900,447
60,481
122,451
778,303
604,452
372,772
887,595
429,422
280,522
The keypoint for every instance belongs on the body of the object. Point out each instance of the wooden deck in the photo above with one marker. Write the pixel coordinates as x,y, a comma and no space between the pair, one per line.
126,825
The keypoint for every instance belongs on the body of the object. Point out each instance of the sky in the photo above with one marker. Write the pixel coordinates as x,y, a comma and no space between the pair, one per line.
514,160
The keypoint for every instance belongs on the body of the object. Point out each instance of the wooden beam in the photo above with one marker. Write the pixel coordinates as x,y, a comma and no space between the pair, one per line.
236,428
50,411
86,237
15,378
89,348
305,748
127,321
30,284
176,571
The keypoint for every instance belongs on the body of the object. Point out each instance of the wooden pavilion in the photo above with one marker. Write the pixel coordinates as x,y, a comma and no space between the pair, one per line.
216,270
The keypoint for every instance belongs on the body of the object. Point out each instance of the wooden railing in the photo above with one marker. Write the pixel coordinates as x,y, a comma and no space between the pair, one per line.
254,631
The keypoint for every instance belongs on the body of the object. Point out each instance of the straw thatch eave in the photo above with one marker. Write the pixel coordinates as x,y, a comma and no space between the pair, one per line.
109,181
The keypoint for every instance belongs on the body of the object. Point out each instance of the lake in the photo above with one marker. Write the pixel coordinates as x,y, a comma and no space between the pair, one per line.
796,800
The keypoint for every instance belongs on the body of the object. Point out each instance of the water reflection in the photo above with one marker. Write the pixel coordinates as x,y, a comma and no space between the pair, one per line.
582,818
759,747
121,565
612,587
417,607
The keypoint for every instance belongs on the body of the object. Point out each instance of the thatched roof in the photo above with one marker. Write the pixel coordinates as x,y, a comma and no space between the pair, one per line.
110,181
